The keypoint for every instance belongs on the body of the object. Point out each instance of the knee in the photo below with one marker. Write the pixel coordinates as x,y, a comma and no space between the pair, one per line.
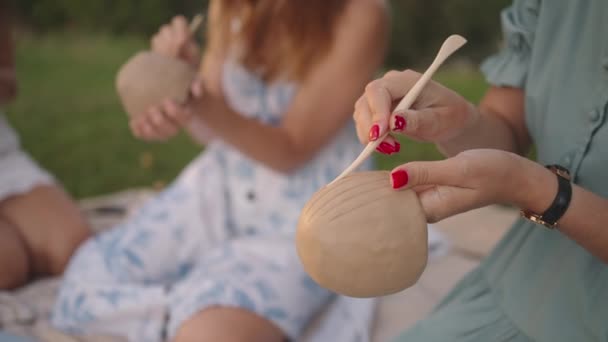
60,250
228,325
15,273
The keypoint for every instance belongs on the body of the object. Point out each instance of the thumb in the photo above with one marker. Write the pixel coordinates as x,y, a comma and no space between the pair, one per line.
443,172
197,87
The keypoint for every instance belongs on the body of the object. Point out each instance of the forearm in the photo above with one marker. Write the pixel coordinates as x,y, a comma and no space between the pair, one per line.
198,131
269,145
585,220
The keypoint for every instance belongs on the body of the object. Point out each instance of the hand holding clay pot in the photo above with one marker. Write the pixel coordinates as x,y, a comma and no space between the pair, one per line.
176,40
151,80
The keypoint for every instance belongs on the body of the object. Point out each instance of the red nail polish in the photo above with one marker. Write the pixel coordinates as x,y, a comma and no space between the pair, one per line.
374,133
397,147
386,148
399,123
400,178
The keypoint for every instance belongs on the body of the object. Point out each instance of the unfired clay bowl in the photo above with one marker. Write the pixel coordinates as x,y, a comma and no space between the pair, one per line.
358,237
148,78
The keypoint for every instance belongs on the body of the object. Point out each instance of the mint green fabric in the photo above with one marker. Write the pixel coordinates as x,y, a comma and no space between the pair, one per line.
537,285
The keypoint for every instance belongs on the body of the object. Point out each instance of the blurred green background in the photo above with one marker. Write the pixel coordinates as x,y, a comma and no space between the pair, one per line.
68,52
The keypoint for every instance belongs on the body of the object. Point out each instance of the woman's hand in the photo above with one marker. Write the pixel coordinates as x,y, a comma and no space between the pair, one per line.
164,121
438,115
8,85
175,40
161,122
473,179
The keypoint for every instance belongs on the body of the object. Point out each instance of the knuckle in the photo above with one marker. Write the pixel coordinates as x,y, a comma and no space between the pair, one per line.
373,86
464,168
423,176
360,106
409,73
413,123
392,74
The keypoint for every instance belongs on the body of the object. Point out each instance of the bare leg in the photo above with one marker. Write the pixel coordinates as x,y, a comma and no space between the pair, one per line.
14,260
51,225
228,325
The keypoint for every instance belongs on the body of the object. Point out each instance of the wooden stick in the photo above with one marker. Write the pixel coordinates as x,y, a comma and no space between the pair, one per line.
196,23
449,46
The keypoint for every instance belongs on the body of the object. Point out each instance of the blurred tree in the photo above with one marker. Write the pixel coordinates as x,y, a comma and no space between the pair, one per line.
114,16
419,26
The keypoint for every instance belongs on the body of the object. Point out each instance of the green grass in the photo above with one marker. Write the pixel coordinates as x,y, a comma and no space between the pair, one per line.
70,120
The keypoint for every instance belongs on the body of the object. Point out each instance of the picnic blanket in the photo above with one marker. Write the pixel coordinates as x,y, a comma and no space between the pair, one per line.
26,312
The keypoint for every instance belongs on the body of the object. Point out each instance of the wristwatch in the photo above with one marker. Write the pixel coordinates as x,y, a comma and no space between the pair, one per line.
561,202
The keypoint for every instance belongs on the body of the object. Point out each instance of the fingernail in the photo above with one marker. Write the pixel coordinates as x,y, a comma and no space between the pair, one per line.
387,148
399,123
400,178
374,133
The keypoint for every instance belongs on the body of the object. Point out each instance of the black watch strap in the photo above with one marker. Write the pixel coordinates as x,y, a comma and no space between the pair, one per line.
560,203
562,199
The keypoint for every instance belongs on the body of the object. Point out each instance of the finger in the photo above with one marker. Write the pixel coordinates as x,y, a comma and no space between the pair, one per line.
383,93
181,32
430,124
389,146
421,188
148,132
380,102
196,89
363,119
161,123
441,202
135,129
167,40
450,171
177,114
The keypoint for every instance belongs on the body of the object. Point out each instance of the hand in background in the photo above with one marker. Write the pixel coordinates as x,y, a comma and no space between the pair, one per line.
160,123
175,40
166,120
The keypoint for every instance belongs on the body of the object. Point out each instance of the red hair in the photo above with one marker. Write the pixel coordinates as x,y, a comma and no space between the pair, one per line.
276,38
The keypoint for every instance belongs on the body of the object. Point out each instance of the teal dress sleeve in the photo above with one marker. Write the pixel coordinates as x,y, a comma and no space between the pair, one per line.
509,67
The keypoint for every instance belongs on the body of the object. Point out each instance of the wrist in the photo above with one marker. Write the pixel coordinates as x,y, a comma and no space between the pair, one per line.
537,189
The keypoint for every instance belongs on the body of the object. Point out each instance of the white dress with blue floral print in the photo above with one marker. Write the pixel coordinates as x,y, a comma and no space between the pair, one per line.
221,234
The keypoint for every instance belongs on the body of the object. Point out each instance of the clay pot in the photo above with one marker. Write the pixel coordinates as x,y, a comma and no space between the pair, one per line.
148,78
358,237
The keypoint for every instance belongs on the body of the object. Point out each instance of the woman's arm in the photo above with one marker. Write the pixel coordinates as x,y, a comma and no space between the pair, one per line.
585,220
323,103
479,177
